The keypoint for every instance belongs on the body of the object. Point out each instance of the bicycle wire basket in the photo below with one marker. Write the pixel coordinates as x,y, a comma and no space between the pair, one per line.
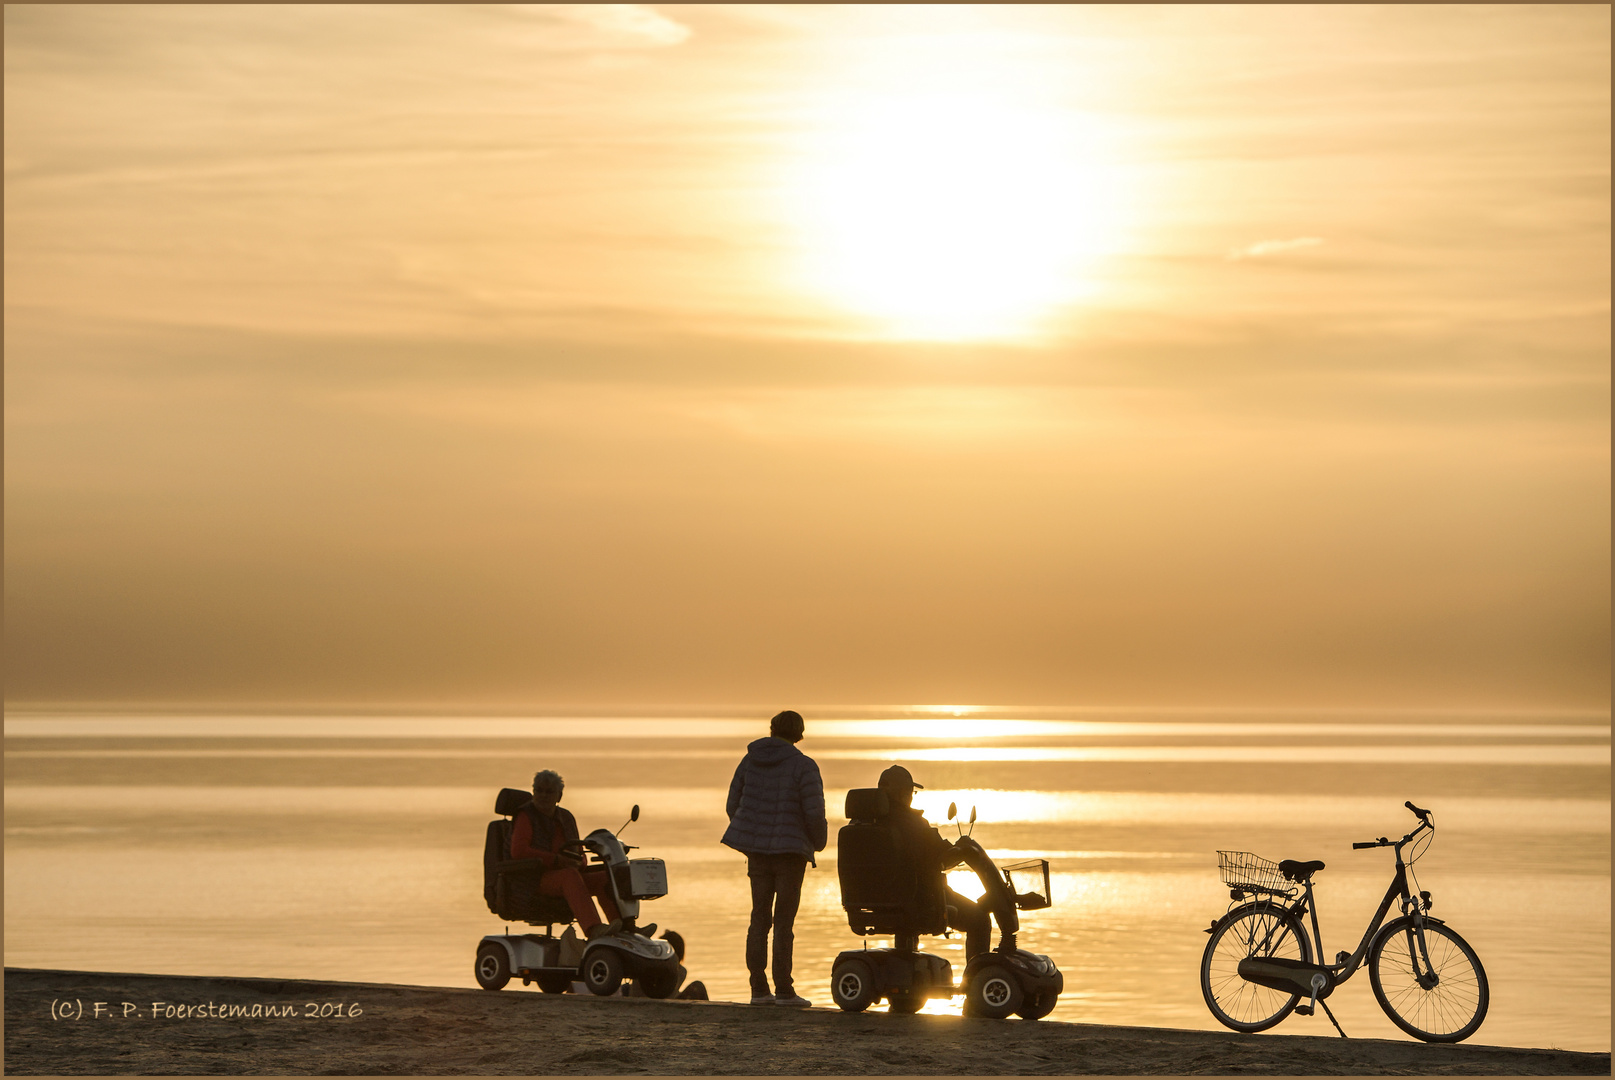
1250,873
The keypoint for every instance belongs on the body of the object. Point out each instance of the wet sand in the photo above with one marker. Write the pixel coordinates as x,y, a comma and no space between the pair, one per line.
52,1026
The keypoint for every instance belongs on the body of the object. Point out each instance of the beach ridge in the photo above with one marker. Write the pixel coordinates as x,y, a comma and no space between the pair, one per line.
81,1023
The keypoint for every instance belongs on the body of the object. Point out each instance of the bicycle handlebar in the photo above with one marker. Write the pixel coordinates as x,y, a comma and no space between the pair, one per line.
1424,823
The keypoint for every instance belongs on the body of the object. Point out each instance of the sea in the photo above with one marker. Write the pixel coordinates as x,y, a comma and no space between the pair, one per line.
349,847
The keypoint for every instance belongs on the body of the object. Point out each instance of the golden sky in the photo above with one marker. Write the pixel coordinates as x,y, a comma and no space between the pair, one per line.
614,354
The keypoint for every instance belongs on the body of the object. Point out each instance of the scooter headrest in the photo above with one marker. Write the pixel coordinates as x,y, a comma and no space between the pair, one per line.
511,800
867,804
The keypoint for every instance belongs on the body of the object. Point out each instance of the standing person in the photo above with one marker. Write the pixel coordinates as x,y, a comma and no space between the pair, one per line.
776,819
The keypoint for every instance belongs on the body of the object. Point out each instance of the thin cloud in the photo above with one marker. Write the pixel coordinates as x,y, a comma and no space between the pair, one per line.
1264,248
632,21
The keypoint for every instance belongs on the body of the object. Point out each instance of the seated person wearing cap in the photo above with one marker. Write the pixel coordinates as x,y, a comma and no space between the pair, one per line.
932,856
542,830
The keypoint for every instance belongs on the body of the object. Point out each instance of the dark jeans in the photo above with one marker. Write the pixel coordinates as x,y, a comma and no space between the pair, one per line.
776,891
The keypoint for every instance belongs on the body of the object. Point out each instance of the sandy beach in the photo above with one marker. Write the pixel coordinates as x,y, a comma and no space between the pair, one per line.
77,1023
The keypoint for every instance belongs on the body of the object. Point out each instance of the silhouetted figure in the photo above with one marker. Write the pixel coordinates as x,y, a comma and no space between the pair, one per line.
930,855
776,818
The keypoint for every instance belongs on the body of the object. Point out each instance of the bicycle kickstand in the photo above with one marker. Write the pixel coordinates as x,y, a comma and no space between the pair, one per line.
1332,1019
1318,982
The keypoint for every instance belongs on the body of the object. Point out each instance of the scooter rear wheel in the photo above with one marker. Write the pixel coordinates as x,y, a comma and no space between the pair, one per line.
493,966
852,985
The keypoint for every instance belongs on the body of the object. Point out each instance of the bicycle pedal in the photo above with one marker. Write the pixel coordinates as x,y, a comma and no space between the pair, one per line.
1303,1010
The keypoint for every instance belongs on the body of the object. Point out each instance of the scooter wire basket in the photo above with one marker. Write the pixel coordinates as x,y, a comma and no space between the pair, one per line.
1246,872
1028,883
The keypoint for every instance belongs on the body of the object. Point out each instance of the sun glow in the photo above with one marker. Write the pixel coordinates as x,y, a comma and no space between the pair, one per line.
948,215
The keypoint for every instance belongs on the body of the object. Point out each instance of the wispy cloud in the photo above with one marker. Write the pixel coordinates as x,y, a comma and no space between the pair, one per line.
631,21
1263,248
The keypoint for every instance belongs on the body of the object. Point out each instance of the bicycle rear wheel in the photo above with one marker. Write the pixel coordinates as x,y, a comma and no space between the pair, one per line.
1253,930
1429,982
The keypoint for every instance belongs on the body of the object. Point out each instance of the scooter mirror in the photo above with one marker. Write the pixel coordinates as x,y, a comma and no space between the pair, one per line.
953,811
972,815
633,815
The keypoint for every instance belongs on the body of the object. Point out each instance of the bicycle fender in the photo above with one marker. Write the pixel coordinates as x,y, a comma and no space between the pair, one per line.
1257,905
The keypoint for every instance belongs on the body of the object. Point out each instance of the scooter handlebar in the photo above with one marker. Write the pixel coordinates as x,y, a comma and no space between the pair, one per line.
1424,815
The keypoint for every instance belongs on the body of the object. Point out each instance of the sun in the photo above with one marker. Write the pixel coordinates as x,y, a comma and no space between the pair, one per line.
949,215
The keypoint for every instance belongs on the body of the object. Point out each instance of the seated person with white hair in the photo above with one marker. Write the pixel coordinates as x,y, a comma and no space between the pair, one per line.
543,829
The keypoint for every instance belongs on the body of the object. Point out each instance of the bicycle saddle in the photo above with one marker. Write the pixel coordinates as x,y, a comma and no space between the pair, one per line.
1299,871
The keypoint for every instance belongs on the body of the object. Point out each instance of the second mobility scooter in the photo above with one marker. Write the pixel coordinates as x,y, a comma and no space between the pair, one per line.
884,892
510,887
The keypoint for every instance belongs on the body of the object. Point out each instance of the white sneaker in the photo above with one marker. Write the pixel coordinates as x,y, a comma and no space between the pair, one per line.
795,1001
762,999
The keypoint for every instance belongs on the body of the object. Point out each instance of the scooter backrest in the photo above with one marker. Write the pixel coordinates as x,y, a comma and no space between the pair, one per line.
511,800
867,804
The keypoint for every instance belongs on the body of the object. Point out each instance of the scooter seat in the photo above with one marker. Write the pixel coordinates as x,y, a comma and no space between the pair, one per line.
1300,871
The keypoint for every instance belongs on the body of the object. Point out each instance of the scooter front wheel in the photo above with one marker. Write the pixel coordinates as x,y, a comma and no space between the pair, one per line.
1038,1005
994,993
602,972
659,982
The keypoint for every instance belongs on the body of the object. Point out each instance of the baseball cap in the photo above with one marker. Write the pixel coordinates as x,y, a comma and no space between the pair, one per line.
897,776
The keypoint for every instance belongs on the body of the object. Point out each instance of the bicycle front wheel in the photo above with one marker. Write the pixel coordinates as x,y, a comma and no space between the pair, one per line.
1428,981
1253,930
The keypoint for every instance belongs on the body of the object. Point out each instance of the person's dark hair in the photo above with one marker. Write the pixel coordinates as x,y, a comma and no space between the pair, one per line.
786,725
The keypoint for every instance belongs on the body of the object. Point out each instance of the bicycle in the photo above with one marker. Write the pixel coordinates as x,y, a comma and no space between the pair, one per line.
1258,963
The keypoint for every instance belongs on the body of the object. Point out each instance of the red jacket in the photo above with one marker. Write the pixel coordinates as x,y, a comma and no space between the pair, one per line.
524,844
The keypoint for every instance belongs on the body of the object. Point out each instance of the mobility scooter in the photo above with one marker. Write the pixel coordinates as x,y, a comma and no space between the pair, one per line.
510,887
883,892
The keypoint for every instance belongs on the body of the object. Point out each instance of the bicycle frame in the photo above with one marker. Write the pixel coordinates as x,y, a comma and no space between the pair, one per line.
1342,970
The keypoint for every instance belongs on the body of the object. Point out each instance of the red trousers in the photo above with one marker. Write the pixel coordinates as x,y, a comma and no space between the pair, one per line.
577,885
